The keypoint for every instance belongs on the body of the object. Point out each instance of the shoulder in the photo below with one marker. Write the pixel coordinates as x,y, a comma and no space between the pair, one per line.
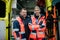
32,16
28,18
15,22
42,15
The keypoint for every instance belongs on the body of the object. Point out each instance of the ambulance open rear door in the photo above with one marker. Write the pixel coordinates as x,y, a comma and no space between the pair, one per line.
5,9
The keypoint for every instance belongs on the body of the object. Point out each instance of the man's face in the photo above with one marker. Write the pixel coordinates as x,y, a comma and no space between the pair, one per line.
37,11
23,13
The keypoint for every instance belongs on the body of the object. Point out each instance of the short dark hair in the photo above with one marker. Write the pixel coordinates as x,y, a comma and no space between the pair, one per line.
22,9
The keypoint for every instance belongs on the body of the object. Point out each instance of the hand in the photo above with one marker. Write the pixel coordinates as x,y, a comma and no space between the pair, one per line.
41,23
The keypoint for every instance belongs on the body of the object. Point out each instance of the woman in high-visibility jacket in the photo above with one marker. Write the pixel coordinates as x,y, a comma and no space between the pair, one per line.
37,25
20,26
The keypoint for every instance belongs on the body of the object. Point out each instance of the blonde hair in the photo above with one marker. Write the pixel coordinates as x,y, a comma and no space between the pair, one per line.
37,7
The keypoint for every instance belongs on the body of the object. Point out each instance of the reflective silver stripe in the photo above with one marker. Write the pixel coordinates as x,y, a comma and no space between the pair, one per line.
41,32
33,33
36,21
15,29
30,23
23,39
21,32
43,24
32,27
18,38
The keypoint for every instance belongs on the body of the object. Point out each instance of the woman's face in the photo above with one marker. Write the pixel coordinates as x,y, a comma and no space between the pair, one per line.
37,11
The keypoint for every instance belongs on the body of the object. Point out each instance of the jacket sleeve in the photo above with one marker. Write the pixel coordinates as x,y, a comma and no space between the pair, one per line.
33,27
43,24
16,28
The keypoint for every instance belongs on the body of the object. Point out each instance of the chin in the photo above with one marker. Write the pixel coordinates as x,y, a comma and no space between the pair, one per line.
24,16
37,14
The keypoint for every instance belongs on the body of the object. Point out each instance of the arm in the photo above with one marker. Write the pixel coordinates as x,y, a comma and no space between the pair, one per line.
16,29
43,24
32,26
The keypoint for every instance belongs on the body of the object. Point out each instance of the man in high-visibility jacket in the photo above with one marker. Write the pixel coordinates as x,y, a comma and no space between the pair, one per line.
37,25
20,26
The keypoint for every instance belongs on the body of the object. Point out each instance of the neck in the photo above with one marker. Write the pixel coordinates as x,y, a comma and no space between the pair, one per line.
22,17
38,15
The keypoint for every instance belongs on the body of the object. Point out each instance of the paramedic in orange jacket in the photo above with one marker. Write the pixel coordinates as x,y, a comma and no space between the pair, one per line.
37,25
20,26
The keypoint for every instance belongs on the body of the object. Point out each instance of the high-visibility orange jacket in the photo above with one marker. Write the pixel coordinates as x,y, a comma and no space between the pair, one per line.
37,29
22,30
